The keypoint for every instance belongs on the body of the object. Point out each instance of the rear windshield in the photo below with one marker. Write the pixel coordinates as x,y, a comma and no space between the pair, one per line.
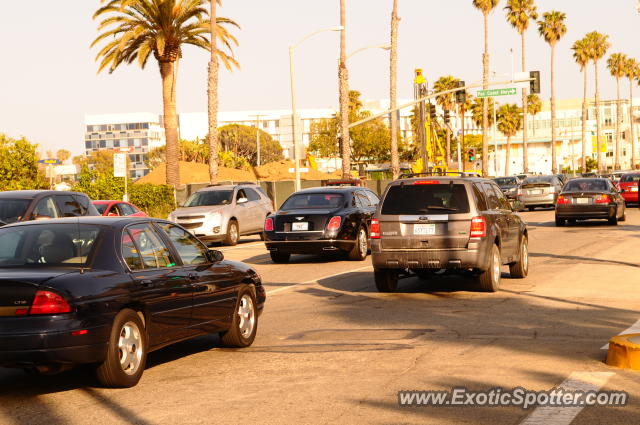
506,181
12,210
313,201
586,185
101,208
426,198
630,178
539,179
47,245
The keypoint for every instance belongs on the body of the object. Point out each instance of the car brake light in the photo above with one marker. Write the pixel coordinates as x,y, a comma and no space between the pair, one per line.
334,223
563,201
426,182
374,229
603,199
478,227
46,302
268,225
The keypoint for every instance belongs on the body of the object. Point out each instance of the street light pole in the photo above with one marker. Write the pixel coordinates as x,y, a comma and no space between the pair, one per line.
258,138
294,139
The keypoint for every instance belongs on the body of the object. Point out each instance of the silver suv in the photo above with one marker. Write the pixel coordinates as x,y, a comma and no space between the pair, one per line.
224,213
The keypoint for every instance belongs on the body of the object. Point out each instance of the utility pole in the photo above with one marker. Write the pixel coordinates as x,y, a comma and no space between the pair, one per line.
495,141
420,91
258,116
343,76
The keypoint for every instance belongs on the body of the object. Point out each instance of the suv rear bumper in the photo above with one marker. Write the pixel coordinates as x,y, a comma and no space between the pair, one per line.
473,257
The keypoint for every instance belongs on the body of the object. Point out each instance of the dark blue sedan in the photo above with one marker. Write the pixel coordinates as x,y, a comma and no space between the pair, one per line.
107,291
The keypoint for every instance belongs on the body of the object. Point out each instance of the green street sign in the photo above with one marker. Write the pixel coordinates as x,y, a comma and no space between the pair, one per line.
497,92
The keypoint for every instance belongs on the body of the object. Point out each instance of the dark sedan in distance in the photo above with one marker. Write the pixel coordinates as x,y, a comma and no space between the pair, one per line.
26,205
592,198
322,220
107,291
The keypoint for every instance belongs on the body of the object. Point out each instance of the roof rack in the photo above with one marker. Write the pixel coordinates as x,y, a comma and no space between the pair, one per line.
439,174
232,184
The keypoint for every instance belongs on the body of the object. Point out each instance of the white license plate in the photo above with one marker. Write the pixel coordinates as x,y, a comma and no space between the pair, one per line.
535,192
634,189
582,200
424,229
302,226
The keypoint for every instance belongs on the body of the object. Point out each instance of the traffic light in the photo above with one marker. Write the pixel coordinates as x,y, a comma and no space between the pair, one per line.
534,85
432,111
472,155
446,116
461,95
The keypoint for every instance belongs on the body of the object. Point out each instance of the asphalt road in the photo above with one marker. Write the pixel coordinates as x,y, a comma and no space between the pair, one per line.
330,349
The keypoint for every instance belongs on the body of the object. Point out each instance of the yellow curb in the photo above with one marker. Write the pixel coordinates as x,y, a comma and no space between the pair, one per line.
624,351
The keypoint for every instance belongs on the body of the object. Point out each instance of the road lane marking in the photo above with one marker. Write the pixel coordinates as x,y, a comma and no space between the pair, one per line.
316,280
634,329
561,415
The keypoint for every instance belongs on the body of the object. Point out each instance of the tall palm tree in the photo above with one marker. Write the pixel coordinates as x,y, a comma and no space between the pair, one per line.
393,90
552,28
617,63
598,46
632,73
534,106
477,107
581,56
136,29
447,104
509,118
485,6
343,77
519,13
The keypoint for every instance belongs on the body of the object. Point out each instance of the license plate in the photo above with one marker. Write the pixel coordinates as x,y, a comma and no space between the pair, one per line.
582,200
424,229
297,227
634,189
535,192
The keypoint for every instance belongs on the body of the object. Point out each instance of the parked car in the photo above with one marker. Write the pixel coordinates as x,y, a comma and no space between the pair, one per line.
118,209
454,224
107,291
224,212
322,220
628,187
583,199
510,186
540,191
26,205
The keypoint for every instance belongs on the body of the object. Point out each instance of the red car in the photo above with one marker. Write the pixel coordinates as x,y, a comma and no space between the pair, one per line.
117,209
629,183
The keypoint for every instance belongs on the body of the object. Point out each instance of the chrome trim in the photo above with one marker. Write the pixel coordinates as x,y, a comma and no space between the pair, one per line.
313,241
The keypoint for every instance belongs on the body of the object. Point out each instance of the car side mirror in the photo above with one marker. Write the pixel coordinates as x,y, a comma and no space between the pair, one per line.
242,201
216,256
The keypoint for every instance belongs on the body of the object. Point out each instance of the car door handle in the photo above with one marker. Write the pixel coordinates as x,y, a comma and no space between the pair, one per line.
193,276
146,282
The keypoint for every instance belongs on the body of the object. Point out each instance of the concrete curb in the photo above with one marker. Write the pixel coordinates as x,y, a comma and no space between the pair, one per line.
624,351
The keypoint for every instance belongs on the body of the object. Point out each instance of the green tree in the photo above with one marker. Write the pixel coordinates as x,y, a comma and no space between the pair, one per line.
519,14
581,56
509,118
552,28
324,140
136,29
534,106
446,102
477,106
63,155
242,141
19,165
598,46
632,72
617,64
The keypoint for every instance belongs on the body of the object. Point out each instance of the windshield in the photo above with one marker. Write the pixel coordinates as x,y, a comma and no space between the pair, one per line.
426,198
506,181
12,210
597,185
210,197
68,244
101,208
313,201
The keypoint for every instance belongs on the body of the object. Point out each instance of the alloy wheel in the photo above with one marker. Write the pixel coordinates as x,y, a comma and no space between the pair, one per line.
247,316
130,348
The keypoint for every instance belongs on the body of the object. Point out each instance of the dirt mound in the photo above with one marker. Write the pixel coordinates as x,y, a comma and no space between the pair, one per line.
194,172
277,171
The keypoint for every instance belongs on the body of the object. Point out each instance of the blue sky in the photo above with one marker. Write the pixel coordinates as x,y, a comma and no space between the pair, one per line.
48,77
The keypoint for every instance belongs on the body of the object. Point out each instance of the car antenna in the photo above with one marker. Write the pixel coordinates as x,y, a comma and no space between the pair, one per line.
78,228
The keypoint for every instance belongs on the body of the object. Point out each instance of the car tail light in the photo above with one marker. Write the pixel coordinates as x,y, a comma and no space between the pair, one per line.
563,201
426,182
374,229
268,225
334,223
603,199
478,227
46,302
519,194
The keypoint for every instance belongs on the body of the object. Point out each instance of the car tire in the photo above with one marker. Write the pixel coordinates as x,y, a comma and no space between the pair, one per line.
233,233
613,221
244,323
489,280
386,280
560,221
279,257
128,336
520,269
360,248
624,217
531,208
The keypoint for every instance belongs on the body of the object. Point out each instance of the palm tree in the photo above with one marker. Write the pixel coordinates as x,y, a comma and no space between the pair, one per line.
552,28
447,104
632,72
519,13
534,106
477,107
393,90
136,29
343,78
485,6
617,63
598,46
509,118
581,55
